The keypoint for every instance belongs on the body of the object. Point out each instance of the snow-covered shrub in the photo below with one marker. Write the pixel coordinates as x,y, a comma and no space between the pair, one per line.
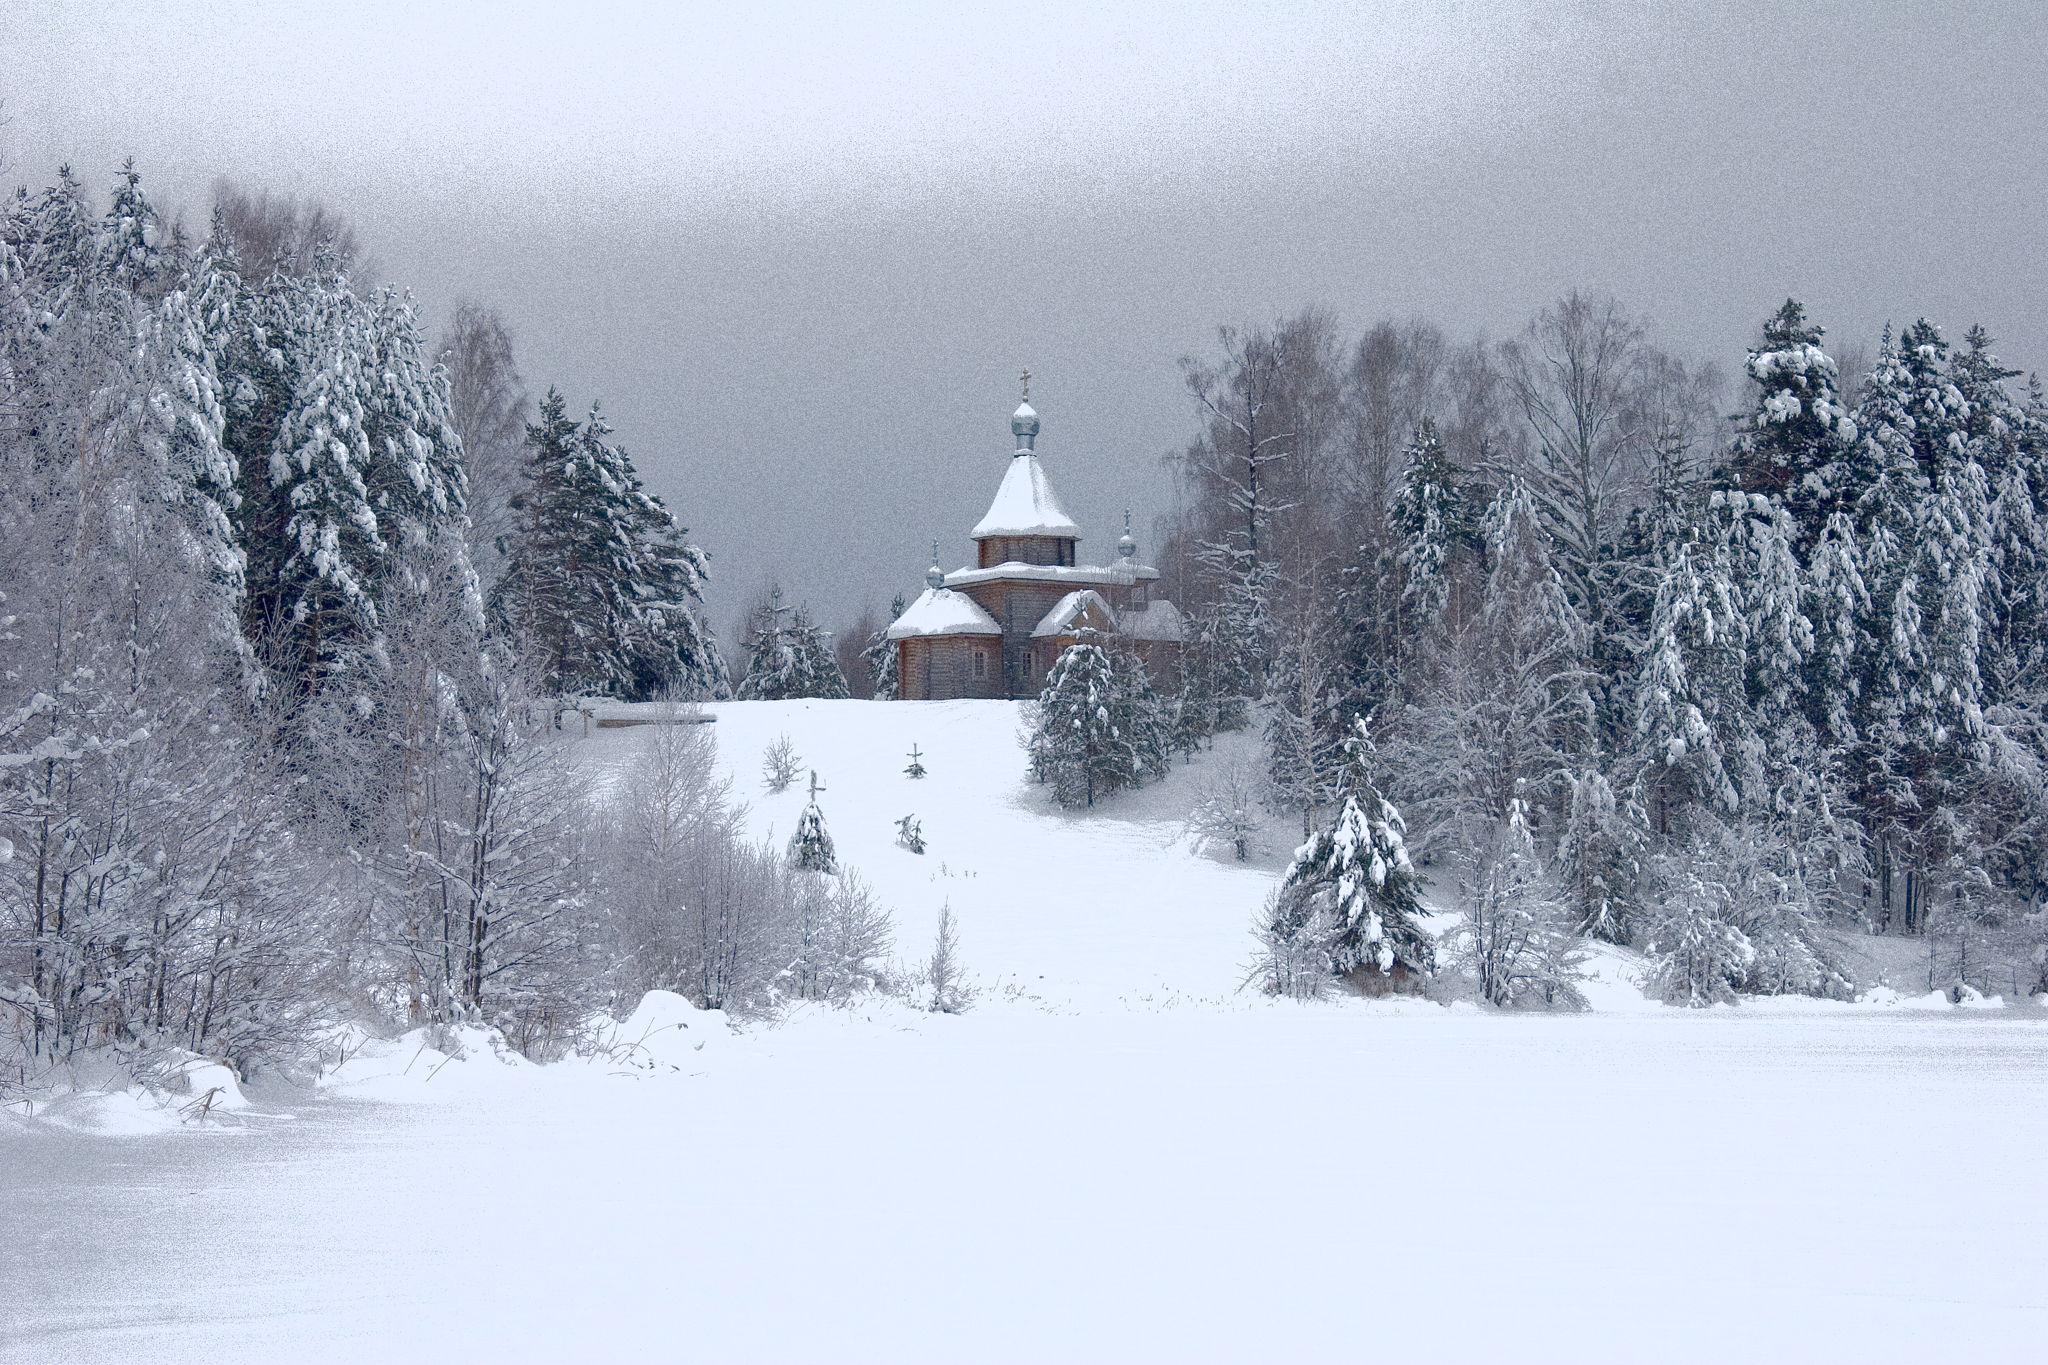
1517,942
1732,915
942,977
780,765
1293,959
1227,810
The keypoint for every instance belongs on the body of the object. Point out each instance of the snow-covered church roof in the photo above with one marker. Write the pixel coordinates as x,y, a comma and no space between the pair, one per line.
1158,619
941,611
1072,609
1025,505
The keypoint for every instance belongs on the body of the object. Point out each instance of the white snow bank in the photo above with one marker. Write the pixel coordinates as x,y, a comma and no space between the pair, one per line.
422,1064
664,1033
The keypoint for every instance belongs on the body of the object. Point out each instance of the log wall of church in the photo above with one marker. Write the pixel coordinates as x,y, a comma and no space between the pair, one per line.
1024,550
942,668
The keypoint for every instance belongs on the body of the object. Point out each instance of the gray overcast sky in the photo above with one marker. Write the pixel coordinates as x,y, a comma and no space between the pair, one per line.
802,250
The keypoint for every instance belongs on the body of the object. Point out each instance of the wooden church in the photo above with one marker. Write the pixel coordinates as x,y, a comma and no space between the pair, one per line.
995,629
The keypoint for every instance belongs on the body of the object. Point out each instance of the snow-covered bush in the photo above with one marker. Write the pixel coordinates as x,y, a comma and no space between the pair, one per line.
780,765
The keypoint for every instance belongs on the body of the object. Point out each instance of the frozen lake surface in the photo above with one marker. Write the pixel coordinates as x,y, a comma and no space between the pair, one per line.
1112,1157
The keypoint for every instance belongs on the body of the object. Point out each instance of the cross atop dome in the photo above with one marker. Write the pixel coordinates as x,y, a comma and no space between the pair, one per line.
1024,421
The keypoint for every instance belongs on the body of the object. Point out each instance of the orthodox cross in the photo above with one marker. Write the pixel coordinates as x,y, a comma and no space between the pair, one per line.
1027,386
816,786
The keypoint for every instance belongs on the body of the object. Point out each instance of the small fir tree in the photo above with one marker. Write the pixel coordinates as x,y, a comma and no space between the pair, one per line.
1356,879
810,847
910,834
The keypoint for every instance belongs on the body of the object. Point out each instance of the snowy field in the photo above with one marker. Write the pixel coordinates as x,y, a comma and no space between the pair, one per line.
1114,1156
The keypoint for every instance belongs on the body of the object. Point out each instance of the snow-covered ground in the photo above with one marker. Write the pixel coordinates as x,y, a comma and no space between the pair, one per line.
1114,1156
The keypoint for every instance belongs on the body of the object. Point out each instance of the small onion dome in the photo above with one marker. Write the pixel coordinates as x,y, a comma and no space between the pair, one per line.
1126,545
935,576
1024,425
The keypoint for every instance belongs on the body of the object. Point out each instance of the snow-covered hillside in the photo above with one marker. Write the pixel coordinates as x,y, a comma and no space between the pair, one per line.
1077,909
1114,1156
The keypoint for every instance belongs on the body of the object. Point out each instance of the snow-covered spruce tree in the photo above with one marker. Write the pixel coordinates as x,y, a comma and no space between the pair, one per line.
1799,428
600,583
1354,881
880,655
910,834
1086,739
1923,514
789,657
669,649
1437,528
810,847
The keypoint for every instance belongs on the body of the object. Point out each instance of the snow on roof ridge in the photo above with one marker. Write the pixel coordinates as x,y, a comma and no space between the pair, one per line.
1061,617
941,611
1053,573
1025,504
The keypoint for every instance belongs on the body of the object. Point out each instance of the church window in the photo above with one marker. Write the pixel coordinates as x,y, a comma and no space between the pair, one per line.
980,663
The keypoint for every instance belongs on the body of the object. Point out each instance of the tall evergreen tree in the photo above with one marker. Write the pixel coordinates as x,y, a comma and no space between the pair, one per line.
880,655
1087,739
1799,427
1432,517
599,581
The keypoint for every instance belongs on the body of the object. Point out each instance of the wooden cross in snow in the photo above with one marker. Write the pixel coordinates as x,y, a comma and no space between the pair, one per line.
816,785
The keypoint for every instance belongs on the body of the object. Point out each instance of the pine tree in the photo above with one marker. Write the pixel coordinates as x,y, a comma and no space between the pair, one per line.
1355,878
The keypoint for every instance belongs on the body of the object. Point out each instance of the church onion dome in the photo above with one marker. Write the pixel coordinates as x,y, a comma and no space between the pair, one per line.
941,611
1025,505
1024,425
1127,544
